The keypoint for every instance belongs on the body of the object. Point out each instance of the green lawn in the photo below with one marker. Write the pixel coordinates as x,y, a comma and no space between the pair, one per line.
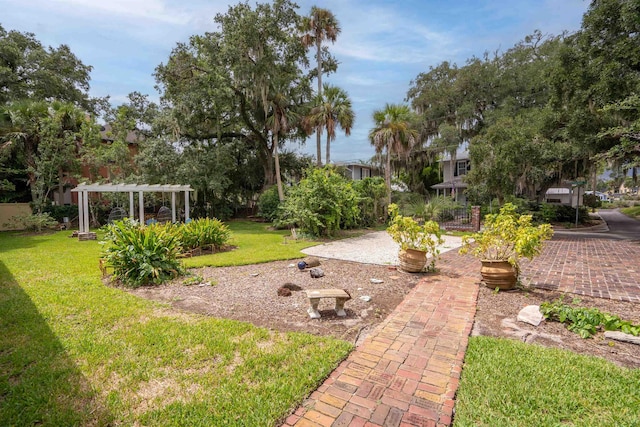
256,244
509,383
633,212
76,352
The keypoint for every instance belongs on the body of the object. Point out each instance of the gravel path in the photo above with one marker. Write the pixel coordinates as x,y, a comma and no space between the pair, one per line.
372,248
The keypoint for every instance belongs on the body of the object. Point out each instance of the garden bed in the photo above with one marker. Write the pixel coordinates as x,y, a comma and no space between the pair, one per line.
250,293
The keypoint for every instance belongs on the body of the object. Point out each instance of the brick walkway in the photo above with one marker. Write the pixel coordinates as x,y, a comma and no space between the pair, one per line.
406,372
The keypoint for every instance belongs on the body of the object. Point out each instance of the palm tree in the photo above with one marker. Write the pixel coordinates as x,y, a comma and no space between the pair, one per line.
332,109
279,122
319,26
393,132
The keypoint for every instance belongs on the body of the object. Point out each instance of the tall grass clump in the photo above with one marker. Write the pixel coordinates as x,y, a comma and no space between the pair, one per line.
142,255
204,233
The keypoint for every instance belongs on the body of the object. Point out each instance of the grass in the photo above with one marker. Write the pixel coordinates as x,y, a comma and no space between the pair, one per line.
255,244
76,352
509,383
633,212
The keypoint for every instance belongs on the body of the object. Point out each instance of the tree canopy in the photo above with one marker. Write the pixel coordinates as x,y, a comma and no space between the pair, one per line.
546,110
28,70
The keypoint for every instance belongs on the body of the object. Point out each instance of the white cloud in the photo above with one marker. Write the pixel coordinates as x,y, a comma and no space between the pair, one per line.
150,10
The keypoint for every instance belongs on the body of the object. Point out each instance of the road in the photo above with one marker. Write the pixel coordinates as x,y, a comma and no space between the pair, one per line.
621,227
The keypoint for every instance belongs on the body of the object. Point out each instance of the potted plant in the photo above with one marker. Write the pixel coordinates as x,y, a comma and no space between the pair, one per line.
415,240
507,236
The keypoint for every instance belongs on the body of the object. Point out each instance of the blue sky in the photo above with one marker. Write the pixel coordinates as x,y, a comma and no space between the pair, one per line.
382,47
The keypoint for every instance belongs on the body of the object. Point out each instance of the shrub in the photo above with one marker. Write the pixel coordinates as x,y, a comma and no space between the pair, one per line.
35,222
268,204
141,255
592,201
409,203
372,193
204,233
321,204
566,213
59,212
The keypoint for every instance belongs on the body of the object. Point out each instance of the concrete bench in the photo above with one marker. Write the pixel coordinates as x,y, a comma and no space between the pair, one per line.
315,295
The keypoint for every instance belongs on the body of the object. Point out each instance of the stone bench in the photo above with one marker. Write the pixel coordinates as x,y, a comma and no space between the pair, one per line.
315,295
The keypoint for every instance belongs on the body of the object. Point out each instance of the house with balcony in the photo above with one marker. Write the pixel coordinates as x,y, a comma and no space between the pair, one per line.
454,172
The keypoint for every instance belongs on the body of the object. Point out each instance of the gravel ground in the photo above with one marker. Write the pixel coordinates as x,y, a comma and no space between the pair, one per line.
250,293
372,248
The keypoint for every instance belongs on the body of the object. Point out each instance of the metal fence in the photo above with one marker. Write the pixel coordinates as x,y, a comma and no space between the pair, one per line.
456,219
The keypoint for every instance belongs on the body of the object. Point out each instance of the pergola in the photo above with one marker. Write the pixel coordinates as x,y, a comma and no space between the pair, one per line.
83,191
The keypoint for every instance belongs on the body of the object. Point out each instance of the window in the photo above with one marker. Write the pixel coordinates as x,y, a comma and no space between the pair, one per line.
462,167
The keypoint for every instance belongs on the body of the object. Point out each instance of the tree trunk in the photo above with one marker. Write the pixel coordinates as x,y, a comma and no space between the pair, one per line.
60,188
318,146
267,165
319,129
277,161
387,173
327,157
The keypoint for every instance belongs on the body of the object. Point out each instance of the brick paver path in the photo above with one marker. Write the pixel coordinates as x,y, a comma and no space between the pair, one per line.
406,372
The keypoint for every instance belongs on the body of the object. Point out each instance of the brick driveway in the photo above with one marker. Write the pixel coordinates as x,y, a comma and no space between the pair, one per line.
584,266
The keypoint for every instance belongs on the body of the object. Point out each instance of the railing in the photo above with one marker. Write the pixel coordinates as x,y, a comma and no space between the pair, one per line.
456,219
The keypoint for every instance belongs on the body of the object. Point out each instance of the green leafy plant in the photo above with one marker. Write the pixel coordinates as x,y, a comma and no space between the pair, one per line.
586,321
507,236
372,193
193,280
35,222
268,204
204,233
321,204
406,231
142,255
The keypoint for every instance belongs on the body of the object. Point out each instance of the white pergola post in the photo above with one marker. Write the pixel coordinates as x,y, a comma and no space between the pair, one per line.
173,206
131,210
80,212
85,200
83,191
141,206
186,206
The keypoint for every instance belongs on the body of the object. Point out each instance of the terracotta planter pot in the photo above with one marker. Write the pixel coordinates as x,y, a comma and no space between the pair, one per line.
498,274
412,261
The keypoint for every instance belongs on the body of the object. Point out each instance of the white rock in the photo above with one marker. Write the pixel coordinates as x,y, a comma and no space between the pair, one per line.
621,336
365,298
291,265
376,281
531,315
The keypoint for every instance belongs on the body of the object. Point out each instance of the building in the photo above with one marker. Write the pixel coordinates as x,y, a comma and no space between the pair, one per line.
565,194
453,173
357,170
104,173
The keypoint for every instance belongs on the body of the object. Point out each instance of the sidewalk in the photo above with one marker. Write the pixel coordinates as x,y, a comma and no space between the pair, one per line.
407,371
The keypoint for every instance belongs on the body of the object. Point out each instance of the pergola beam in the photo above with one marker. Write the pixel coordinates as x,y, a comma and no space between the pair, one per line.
83,191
